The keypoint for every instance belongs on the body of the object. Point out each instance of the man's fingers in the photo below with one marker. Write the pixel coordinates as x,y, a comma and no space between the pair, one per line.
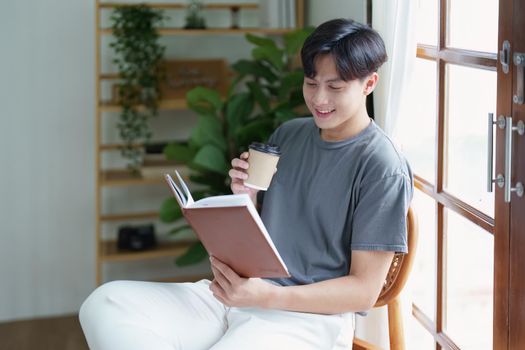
237,174
238,163
221,279
225,270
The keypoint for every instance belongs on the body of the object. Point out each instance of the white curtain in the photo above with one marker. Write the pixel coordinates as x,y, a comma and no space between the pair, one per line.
395,21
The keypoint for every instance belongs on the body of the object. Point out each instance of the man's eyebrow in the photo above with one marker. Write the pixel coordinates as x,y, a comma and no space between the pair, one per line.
333,80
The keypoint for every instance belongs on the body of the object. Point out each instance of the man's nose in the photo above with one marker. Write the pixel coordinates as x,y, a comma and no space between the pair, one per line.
320,97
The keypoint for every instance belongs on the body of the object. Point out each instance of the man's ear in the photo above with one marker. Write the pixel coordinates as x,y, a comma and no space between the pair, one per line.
370,83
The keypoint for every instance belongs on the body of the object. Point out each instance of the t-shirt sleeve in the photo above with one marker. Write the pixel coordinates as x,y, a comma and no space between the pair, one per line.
379,220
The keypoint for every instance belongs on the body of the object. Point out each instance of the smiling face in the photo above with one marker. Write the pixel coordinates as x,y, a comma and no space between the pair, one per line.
338,106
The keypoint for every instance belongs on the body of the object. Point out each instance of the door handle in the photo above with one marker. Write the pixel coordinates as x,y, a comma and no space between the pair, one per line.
504,56
508,189
500,180
519,62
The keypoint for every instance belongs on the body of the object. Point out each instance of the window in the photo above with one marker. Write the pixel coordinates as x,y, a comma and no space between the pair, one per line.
445,140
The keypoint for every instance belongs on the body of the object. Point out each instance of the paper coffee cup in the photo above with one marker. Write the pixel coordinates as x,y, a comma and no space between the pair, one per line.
263,164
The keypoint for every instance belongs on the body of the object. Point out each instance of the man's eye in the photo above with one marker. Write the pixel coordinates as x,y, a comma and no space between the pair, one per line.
336,87
311,84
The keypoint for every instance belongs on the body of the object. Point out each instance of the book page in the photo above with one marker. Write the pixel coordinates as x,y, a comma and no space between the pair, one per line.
228,200
189,198
179,196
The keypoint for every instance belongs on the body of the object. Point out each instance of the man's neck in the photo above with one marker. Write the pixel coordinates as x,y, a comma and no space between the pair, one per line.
348,129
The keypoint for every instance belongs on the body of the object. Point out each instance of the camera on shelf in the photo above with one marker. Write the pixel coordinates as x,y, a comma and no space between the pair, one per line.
136,238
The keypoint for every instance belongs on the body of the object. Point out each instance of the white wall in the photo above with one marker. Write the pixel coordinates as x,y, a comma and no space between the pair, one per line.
47,144
319,11
46,159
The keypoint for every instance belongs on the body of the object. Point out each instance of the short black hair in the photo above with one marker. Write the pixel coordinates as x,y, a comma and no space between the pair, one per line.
357,49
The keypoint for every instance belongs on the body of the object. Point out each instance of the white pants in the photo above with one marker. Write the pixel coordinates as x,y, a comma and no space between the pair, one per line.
160,316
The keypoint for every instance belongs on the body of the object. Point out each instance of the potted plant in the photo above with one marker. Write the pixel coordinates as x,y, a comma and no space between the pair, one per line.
138,58
266,92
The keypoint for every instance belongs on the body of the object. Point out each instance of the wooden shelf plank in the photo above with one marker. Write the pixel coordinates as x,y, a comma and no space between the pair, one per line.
124,177
110,253
213,31
173,6
117,146
164,105
130,216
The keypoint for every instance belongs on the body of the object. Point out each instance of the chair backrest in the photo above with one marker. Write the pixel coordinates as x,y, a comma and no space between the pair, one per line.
401,264
394,283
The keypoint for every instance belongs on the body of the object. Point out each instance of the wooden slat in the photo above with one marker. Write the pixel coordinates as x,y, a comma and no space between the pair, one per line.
469,58
455,204
441,338
361,344
117,146
517,204
110,252
212,31
164,105
177,6
130,216
98,136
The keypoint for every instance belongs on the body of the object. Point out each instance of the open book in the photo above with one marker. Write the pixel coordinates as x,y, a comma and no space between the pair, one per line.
231,230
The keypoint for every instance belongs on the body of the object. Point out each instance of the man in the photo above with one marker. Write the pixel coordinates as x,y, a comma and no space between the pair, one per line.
335,209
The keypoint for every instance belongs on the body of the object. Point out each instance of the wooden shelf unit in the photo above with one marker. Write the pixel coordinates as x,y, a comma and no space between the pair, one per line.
107,251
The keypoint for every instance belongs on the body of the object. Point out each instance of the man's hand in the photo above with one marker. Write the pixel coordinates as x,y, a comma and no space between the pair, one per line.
238,174
233,290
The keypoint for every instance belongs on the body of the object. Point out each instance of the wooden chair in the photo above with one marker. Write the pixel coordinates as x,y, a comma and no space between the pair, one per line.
395,281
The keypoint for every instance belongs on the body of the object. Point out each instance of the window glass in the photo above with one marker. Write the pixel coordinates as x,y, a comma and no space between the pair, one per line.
423,275
470,267
426,22
473,25
471,95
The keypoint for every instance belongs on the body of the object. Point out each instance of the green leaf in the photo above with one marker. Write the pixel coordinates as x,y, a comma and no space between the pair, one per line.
238,109
259,96
254,68
179,229
272,55
293,41
260,41
257,130
204,101
213,159
215,182
195,254
179,152
284,113
291,81
170,211
208,131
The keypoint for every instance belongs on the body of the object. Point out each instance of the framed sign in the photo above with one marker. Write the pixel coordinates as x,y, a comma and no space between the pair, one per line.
184,75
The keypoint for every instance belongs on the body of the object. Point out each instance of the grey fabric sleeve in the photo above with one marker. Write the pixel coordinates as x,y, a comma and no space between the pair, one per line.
379,220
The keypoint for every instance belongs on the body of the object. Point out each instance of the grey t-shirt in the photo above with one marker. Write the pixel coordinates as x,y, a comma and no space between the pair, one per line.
328,198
